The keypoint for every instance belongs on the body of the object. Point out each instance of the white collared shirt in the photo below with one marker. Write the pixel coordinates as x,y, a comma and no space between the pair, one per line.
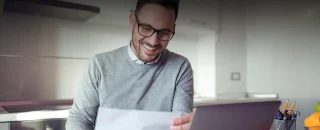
136,59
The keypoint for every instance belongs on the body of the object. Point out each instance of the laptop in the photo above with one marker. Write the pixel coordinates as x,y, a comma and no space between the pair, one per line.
236,115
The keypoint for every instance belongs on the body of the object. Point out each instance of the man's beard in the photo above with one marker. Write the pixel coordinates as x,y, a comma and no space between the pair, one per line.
140,53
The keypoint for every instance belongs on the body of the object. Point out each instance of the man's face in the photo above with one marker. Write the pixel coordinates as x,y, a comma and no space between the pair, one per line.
147,42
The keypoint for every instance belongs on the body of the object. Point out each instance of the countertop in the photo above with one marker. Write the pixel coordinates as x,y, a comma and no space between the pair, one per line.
58,114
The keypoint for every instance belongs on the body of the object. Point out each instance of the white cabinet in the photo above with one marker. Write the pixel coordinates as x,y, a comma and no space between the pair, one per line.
201,12
198,16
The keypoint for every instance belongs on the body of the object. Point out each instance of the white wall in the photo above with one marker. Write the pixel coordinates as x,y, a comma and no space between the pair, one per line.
283,51
69,44
231,49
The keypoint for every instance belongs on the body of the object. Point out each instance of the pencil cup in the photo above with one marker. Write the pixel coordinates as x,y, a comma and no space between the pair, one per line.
284,125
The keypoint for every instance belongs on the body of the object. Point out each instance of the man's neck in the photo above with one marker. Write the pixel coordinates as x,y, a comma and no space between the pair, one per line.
133,50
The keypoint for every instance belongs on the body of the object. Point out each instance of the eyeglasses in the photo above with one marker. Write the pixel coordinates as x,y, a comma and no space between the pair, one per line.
147,31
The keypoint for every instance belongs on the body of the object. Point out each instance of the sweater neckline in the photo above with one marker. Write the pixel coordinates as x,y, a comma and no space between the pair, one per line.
160,60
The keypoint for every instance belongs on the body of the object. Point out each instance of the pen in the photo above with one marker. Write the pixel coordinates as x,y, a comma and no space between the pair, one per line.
279,115
285,106
291,107
285,115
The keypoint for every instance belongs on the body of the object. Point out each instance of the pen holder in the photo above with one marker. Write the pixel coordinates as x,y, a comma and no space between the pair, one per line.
284,125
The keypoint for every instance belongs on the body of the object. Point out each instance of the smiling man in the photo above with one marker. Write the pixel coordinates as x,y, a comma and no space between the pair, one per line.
144,75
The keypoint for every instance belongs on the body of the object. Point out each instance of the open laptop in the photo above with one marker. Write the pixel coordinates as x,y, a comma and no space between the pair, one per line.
236,115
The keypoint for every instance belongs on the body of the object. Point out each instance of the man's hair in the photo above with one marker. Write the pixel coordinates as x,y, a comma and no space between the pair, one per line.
170,4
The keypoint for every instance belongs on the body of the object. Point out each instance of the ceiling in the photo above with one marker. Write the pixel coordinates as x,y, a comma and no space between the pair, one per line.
195,17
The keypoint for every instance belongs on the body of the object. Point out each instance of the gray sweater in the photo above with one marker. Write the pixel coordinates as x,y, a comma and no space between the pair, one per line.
113,80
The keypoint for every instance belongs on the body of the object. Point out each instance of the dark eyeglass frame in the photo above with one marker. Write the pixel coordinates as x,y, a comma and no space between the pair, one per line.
153,29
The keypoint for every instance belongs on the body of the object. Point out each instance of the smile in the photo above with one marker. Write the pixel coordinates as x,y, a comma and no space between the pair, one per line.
149,48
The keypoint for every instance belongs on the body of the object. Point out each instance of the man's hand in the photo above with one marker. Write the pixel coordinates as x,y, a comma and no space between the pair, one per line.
182,123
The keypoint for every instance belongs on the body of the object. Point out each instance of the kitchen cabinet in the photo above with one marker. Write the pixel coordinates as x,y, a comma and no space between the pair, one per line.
200,13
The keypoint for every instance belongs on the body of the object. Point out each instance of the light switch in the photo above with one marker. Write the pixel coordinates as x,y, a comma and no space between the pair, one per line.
235,76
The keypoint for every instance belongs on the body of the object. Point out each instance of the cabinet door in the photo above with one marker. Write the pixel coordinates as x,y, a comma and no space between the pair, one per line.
201,13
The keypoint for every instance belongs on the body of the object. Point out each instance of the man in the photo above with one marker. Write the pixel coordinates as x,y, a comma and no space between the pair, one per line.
143,75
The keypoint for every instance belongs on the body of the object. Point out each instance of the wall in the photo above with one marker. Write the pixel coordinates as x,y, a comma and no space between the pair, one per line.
230,49
43,58
283,50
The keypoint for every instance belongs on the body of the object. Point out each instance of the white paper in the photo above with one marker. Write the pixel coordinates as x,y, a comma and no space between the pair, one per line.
116,119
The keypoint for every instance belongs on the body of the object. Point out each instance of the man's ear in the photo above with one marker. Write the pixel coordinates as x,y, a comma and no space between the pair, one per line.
132,19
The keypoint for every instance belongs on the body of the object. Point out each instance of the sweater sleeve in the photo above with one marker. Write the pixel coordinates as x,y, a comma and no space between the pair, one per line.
83,112
183,97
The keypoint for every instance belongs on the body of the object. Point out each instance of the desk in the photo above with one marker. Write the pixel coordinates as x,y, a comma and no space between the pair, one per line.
41,117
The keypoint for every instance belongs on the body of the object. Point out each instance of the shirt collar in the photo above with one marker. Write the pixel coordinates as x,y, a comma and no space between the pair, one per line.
137,60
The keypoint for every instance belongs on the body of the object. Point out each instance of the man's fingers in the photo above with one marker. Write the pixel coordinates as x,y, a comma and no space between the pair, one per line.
177,121
184,119
181,127
187,118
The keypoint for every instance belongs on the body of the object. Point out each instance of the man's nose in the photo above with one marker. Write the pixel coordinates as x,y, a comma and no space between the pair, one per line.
153,39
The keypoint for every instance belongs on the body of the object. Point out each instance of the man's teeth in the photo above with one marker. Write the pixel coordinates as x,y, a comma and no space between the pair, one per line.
150,48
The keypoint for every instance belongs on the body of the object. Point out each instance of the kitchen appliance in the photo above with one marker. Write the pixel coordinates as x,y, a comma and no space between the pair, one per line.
34,115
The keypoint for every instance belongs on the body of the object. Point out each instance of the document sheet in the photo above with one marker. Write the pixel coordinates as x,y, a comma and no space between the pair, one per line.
118,119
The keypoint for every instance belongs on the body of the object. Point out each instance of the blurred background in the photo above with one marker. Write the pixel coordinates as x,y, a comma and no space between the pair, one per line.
235,47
